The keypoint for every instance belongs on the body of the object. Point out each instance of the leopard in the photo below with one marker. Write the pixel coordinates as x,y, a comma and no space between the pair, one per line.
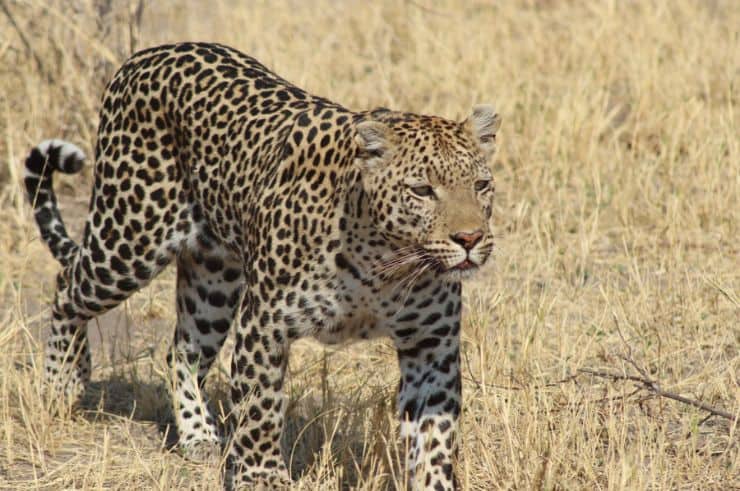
287,216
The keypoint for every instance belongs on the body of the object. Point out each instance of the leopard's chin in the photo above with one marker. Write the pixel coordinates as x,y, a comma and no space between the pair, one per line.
456,275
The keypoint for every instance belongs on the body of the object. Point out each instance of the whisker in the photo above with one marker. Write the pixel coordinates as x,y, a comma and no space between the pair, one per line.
403,251
419,273
411,276
398,286
385,268
398,259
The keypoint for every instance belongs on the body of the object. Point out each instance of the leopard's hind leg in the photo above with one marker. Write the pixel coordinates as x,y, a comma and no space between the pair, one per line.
128,240
209,282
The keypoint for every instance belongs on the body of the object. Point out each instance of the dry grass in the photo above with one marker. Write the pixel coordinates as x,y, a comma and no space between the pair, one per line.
618,212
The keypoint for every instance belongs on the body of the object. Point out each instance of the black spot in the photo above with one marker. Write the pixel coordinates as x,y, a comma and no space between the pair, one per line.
103,275
118,266
411,316
343,263
428,343
217,299
214,264
203,325
409,410
221,325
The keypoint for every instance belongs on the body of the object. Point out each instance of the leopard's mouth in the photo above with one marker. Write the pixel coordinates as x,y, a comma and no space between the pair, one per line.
465,265
454,265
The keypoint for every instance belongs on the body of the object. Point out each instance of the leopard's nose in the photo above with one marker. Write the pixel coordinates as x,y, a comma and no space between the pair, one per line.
467,239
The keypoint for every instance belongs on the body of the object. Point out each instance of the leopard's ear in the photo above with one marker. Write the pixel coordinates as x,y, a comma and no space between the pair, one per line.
483,123
375,143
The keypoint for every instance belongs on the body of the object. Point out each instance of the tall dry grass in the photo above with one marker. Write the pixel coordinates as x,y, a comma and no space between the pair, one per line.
617,211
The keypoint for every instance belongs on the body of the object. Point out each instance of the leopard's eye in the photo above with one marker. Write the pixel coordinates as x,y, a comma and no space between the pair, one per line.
423,191
482,185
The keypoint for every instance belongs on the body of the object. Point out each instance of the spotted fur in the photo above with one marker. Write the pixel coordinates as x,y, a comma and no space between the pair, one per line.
288,216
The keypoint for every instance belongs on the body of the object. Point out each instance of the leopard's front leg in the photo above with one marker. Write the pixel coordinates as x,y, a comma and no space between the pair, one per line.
259,362
429,399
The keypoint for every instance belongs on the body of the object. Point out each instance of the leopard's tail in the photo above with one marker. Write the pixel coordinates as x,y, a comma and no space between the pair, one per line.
46,158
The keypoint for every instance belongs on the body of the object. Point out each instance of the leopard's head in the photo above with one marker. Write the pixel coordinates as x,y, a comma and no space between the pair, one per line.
429,187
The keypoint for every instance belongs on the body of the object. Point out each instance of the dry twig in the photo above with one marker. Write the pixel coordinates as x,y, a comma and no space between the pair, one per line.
654,387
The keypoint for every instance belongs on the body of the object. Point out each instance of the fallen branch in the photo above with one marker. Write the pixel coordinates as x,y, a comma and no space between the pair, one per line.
654,387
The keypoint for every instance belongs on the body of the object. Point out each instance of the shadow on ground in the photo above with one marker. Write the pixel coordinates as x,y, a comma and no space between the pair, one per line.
312,426
138,400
